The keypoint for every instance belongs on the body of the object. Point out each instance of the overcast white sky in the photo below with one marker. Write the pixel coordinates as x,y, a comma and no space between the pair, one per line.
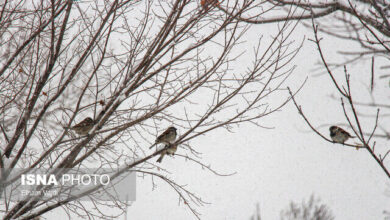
276,166
279,165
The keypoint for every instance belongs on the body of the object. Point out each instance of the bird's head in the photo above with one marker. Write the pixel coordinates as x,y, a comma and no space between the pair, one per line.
332,128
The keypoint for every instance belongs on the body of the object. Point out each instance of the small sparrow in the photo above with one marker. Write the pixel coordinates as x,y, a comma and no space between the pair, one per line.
84,126
170,151
167,137
339,135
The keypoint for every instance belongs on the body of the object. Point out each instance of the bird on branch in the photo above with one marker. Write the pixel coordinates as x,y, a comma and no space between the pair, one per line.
167,138
339,135
84,126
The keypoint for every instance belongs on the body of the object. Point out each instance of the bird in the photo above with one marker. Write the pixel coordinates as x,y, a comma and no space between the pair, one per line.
170,151
167,137
84,126
339,135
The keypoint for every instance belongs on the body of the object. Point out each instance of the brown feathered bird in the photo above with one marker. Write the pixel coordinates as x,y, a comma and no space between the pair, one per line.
339,135
84,126
167,138
171,150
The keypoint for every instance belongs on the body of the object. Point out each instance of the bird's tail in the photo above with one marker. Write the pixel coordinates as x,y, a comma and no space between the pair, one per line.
152,146
161,157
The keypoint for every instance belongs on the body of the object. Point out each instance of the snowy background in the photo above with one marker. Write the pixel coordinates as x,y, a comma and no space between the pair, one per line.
286,162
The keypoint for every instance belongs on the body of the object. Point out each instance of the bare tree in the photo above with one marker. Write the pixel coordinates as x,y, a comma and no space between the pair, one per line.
257,215
313,209
351,114
135,68
364,23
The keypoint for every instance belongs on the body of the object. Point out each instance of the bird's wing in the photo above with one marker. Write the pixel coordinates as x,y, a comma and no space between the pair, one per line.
85,122
163,135
345,132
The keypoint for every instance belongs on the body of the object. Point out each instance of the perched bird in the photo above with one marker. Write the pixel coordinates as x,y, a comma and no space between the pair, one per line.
84,126
339,135
170,151
167,137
